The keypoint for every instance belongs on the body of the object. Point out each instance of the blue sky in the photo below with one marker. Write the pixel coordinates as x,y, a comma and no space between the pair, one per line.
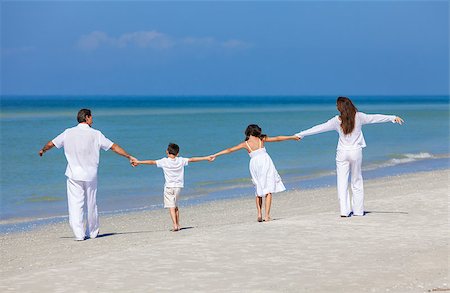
225,48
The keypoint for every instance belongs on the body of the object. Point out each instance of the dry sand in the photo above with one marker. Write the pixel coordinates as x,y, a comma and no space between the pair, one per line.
401,245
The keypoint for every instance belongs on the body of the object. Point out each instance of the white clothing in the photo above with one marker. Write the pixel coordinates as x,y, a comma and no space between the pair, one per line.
353,140
265,176
349,158
173,170
81,147
81,196
350,161
171,195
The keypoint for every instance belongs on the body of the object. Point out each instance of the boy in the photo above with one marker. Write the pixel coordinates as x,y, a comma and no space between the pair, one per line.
173,167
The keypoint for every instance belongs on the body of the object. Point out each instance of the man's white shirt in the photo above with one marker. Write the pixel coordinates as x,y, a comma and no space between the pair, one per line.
82,146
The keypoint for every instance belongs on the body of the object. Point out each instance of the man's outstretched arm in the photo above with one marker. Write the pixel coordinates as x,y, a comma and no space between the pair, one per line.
120,151
48,146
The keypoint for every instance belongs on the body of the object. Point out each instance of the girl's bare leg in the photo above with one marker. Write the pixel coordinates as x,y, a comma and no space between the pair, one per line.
259,207
268,205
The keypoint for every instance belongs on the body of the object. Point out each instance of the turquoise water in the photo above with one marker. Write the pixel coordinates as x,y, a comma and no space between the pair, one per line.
34,187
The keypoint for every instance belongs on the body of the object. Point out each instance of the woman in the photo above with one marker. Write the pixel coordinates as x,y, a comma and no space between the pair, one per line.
349,151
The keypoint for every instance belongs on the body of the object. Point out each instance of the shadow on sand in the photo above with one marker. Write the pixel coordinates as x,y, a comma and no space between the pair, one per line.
384,212
124,233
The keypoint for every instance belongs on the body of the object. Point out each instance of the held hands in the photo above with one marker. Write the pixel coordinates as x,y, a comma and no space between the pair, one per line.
133,161
399,120
211,158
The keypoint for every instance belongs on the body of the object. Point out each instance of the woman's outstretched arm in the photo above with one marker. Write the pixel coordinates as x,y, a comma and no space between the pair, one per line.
281,138
379,118
230,150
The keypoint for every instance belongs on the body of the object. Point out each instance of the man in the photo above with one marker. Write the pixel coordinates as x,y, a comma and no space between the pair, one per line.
82,146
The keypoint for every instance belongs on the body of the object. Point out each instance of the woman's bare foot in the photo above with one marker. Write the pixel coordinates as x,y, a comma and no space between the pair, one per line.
267,219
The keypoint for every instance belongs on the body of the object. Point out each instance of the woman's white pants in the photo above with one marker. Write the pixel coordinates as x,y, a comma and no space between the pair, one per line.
349,161
81,196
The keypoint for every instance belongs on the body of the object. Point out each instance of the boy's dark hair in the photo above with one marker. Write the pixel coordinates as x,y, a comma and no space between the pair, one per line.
82,114
173,149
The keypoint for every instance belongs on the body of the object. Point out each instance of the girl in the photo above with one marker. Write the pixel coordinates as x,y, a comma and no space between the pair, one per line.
349,151
264,175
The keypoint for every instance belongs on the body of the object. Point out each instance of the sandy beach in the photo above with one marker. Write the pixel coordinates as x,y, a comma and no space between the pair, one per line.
401,245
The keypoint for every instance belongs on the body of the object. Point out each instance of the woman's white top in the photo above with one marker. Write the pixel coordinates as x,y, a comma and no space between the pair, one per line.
353,140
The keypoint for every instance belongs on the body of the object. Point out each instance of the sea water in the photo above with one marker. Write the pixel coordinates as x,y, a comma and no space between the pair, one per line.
33,187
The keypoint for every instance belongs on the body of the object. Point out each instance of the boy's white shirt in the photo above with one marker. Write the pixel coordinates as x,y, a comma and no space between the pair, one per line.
173,170
353,140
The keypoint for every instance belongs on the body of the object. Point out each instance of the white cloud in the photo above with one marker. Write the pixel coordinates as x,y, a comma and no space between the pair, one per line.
149,39
153,39
93,40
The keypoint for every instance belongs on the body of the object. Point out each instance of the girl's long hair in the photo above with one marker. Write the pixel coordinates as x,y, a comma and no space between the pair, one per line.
348,113
254,130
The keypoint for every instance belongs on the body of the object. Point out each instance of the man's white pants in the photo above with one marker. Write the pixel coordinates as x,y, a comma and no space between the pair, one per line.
81,196
349,161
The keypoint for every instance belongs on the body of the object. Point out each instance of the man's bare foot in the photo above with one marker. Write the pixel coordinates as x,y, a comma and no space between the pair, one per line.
267,219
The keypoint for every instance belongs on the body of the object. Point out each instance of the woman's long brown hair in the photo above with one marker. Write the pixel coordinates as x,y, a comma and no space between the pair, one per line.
348,113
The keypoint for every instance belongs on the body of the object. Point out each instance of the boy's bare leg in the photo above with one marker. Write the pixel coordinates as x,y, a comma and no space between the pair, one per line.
268,205
259,207
177,214
173,216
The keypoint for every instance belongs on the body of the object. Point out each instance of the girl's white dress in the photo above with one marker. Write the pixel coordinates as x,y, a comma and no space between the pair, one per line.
265,176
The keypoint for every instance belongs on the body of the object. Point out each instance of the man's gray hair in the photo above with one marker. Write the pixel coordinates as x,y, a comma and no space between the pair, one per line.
82,114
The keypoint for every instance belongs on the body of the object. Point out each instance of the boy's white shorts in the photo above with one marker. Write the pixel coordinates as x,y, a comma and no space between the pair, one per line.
171,196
